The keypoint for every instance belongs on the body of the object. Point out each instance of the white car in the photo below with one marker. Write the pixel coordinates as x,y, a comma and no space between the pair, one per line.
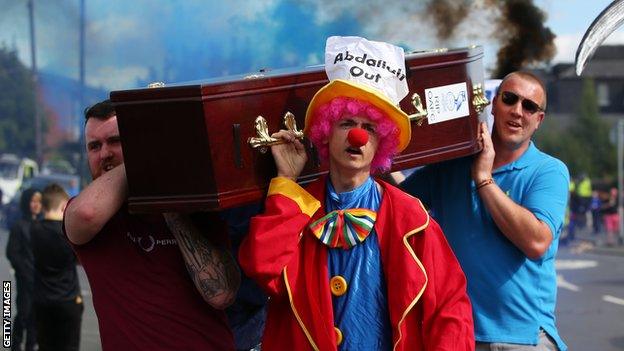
14,171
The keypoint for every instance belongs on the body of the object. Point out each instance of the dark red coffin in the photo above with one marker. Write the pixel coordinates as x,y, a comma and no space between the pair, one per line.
186,145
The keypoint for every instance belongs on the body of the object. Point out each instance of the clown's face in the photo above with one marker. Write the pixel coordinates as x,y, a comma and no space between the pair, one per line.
346,159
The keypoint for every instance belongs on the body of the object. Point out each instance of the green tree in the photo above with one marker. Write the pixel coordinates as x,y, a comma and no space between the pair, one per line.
585,145
17,131
592,133
560,143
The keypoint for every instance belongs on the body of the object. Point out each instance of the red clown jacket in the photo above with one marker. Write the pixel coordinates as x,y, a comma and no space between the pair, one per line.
426,288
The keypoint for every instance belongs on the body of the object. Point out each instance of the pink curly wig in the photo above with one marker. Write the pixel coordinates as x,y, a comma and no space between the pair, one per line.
337,108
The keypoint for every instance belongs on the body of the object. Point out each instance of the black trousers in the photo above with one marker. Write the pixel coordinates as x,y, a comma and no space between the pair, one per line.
24,324
58,325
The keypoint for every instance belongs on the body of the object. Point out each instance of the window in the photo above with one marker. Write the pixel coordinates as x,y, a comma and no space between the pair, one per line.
602,91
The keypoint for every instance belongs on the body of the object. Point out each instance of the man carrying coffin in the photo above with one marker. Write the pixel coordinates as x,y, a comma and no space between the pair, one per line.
351,262
158,282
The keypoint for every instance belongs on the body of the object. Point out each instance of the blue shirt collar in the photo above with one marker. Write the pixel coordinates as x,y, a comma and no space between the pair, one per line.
523,161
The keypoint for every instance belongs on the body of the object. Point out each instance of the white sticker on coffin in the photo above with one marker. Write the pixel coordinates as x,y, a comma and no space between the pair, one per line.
446,102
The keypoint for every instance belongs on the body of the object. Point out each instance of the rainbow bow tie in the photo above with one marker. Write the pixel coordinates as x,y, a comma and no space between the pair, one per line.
344,228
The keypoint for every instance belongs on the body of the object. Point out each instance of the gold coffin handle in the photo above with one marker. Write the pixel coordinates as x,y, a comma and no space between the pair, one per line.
421,113
479,101
264,139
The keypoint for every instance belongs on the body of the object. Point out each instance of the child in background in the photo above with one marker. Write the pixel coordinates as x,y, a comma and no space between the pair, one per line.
58,304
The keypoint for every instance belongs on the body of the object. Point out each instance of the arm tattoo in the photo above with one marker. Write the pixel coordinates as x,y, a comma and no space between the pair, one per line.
213,270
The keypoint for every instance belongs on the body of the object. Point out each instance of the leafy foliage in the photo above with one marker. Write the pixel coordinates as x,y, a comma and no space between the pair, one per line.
584,146
17,106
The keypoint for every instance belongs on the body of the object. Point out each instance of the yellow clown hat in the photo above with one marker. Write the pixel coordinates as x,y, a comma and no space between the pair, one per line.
369,71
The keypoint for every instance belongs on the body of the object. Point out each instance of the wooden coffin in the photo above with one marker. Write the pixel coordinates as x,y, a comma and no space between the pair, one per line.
186,145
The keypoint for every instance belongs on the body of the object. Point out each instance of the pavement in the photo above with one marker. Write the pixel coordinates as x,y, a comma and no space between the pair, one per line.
586,241
590,298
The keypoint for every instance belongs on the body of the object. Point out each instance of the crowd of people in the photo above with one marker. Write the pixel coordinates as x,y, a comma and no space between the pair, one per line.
458,256
593,210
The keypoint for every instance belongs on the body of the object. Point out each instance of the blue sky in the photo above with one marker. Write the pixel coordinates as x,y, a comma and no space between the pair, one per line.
567,16
569,19
132,42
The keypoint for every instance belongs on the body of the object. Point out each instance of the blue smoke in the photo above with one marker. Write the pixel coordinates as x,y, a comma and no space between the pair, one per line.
132,43
283,36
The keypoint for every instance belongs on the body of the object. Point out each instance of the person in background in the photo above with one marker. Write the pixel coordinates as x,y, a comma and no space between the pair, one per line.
19,254
594,207
584,193
502,212
58,304
611,217
572,214
167,279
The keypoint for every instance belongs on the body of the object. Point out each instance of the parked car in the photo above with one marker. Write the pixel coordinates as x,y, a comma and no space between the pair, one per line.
14,171
11,211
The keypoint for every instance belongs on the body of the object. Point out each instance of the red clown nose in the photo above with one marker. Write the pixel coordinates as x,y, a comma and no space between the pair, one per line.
357,137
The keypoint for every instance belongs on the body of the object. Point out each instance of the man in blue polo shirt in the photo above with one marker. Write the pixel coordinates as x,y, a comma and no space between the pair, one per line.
502,212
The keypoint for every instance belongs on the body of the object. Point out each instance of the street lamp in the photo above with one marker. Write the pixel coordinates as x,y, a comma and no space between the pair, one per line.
33,60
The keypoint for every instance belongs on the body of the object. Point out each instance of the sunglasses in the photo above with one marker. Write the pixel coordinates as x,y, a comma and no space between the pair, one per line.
528,105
